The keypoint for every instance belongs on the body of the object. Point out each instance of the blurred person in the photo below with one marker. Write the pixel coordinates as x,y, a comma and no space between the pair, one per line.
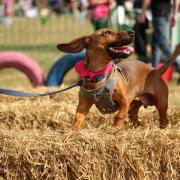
29,8
1,14
9,11
140,40
42,4
54,5
120,12
71,5
99,13
163,16
80,11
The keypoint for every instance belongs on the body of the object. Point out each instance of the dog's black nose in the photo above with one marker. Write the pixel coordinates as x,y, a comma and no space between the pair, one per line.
131,33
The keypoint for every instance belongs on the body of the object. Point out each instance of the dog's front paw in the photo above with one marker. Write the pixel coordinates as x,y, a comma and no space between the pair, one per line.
118,125
119,122
75,128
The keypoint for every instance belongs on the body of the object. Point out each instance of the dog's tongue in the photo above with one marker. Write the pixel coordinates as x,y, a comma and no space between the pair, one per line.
125,49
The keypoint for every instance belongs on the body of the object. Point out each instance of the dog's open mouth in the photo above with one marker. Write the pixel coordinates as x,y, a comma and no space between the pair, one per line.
119,51
124,49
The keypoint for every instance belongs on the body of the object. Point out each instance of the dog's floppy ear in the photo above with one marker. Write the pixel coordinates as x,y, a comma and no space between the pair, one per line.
75,45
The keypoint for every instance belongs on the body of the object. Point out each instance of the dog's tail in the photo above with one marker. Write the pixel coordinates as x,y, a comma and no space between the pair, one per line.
171,59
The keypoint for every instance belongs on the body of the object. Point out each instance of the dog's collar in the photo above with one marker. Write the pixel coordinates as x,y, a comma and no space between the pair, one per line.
97,78
90,75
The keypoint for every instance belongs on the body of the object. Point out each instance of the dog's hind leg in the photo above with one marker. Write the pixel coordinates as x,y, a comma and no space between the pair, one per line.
81,112
162,106
133,112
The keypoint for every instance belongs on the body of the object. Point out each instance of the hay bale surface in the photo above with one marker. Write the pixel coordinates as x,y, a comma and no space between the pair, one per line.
36,141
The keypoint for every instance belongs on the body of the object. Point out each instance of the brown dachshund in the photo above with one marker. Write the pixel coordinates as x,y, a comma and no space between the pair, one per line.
126,87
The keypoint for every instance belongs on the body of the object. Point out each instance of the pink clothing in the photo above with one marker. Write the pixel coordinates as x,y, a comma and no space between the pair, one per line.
9,8
100,11
79,67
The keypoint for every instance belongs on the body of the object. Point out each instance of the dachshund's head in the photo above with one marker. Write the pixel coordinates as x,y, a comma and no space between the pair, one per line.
109,43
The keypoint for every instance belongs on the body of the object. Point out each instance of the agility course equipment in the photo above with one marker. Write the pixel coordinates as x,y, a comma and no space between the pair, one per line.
62,66
167,76
22,62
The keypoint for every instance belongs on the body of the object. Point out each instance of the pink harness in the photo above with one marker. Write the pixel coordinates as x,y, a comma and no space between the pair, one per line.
79,67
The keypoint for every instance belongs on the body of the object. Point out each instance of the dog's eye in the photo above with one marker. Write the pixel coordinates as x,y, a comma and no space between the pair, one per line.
107,32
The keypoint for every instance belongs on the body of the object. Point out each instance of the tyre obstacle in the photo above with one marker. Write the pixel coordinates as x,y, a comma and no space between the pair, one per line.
24,63
28,66
62,66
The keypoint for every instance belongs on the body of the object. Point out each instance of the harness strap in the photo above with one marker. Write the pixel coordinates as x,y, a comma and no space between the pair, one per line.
24,94
103,94
97,78
122,74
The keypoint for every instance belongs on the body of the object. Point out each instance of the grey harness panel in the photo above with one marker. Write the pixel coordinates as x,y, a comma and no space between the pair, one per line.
103,95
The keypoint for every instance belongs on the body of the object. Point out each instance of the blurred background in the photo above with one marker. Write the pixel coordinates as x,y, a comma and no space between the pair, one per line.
35,27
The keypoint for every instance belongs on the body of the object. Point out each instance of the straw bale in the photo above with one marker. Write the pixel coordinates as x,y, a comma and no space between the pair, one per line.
36,142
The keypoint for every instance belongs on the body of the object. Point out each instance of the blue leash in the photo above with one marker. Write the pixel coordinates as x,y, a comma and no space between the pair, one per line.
24,94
